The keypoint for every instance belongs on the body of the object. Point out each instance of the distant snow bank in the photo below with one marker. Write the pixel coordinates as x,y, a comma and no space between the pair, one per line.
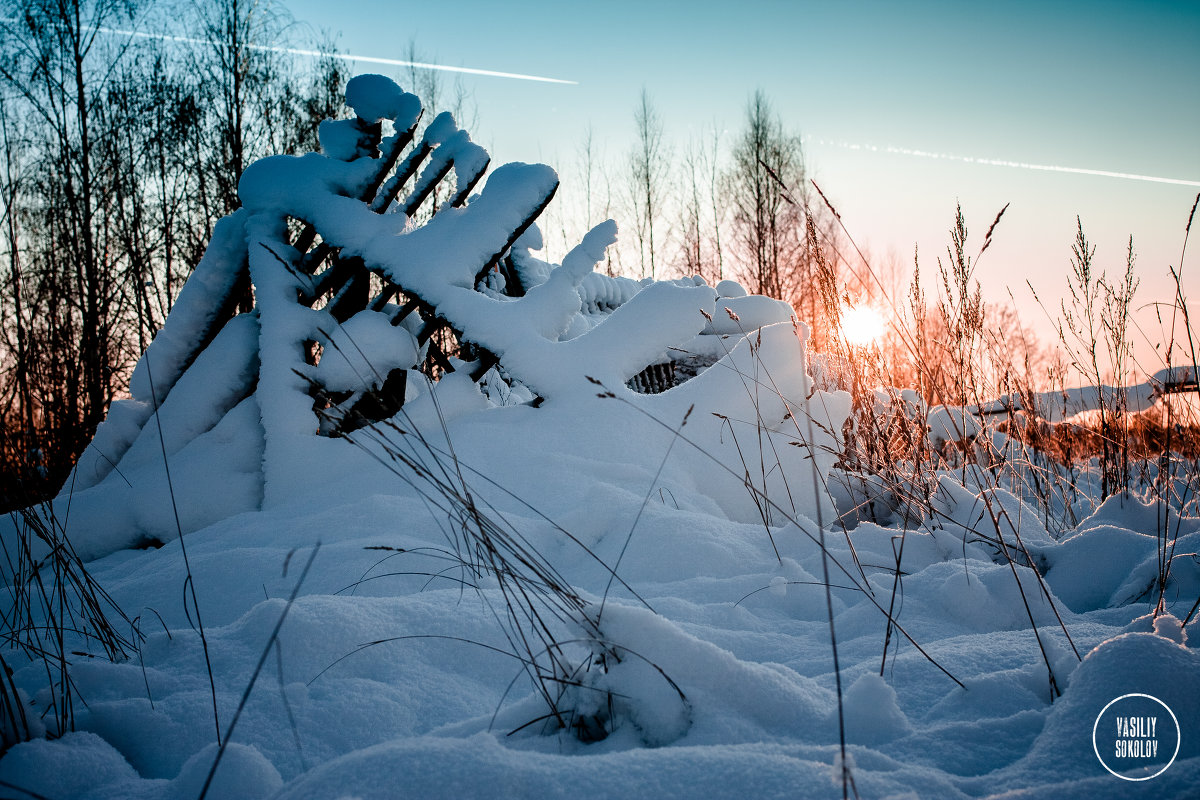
1175,385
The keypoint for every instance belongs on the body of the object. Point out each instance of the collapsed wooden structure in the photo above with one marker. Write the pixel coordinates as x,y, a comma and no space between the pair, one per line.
354,282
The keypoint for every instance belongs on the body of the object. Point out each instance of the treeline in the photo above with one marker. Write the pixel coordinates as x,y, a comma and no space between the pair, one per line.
123,131
742,205
737,205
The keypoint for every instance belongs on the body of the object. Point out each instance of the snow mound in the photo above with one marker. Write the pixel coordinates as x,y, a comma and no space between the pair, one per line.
243,774
1127,664
37,766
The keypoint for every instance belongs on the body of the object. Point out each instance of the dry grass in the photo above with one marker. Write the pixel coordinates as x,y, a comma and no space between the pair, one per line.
52,615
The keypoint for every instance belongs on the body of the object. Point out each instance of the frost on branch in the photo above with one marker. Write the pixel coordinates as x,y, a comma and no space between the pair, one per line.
385,272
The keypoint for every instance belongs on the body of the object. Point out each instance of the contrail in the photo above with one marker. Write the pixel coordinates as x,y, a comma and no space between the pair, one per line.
997,162
394,62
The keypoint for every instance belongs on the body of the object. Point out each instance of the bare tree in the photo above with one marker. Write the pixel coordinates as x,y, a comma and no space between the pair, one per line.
700,236
53,66
597,203
239,74
712,163
691,244
120,152
768,229
16,443
587,171
648,169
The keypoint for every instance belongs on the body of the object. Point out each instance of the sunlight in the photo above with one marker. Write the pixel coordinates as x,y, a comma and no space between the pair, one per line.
862,325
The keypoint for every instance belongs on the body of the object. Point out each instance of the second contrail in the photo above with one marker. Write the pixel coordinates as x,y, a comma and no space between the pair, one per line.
997,162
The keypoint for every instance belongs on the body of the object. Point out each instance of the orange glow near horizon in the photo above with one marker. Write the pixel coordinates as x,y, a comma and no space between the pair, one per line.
862,325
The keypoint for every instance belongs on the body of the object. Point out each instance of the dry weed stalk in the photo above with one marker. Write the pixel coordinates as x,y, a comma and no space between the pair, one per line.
54,612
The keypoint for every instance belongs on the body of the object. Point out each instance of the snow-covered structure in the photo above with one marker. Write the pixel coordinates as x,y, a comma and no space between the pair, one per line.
355,268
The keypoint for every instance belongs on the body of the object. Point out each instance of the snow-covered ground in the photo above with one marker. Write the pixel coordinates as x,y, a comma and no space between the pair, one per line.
742,633
978,653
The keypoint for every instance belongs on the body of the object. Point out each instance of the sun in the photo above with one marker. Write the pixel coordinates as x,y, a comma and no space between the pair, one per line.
862,325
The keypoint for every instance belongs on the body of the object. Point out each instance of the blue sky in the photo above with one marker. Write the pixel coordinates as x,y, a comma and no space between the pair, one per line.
1096,85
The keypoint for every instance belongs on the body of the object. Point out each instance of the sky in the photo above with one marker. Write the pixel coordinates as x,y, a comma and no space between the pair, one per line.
1097,86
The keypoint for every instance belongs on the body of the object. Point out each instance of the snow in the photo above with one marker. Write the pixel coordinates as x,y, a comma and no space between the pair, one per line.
1174,375
695,527
452,148
244,775
730,289
376,97
742,314
99,766
345,364
873,715
951,424
760,710
1071,402
187,330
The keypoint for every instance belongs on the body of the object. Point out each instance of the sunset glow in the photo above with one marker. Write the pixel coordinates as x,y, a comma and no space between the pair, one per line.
862,325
